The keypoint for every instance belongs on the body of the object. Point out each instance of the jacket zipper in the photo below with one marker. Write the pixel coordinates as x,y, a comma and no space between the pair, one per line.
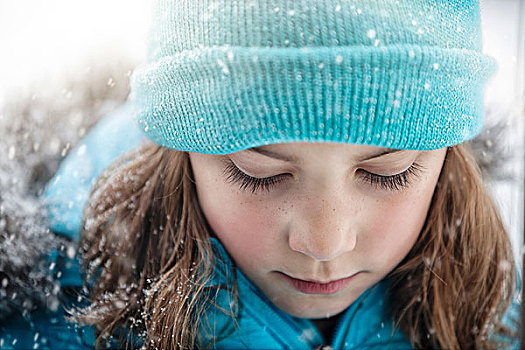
291,327
347,321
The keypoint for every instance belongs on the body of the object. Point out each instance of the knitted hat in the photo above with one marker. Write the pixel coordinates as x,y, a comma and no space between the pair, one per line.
225,75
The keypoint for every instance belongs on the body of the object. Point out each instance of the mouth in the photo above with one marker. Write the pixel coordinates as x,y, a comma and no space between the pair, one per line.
317,287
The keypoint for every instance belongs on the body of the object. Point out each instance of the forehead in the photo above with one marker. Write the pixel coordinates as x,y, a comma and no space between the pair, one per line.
295,152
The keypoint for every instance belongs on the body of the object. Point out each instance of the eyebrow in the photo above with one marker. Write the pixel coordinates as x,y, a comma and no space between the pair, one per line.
294,159
272,154
380,154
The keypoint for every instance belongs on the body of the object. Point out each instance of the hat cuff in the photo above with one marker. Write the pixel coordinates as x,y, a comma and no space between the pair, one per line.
220,100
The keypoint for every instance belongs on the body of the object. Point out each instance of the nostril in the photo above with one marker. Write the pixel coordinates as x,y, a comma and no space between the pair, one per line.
318,250
352,242
296,244
323,248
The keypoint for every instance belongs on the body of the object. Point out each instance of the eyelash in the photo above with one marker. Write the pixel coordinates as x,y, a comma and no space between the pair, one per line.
394,182
237,176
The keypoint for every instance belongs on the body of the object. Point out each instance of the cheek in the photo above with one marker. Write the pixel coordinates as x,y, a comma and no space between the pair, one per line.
247,228
395,226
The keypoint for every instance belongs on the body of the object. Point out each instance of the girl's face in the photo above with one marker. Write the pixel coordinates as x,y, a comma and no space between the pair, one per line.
319,223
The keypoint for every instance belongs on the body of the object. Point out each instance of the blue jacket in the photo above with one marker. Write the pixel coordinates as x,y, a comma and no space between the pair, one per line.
364,324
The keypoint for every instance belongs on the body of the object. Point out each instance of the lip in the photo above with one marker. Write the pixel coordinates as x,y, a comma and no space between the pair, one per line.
316,287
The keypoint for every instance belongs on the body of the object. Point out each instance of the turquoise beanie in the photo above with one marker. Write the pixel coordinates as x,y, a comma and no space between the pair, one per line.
222,76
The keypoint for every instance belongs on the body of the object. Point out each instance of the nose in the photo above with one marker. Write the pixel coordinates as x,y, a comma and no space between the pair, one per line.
325,230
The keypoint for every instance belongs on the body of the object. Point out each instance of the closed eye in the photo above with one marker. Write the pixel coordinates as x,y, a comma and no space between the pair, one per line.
394,182
255,184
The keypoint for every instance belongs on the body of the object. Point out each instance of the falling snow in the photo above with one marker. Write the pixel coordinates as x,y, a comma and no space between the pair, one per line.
38,128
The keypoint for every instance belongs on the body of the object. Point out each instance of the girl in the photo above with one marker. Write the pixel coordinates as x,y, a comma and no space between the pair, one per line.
308,184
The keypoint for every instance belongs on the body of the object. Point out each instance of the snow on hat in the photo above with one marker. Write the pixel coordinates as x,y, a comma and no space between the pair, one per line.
225,75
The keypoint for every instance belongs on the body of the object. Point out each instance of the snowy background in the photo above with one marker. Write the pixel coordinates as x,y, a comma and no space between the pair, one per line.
504,39
51,47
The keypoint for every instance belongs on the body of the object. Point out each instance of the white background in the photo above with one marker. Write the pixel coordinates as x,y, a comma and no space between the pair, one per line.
504,39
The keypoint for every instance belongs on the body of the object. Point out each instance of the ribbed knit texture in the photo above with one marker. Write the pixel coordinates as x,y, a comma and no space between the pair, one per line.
223,76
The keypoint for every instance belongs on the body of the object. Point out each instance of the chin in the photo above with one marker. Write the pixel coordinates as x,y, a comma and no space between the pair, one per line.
314,307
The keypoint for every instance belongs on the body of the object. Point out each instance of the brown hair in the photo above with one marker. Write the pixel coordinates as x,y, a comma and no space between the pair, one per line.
453,287
145,237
